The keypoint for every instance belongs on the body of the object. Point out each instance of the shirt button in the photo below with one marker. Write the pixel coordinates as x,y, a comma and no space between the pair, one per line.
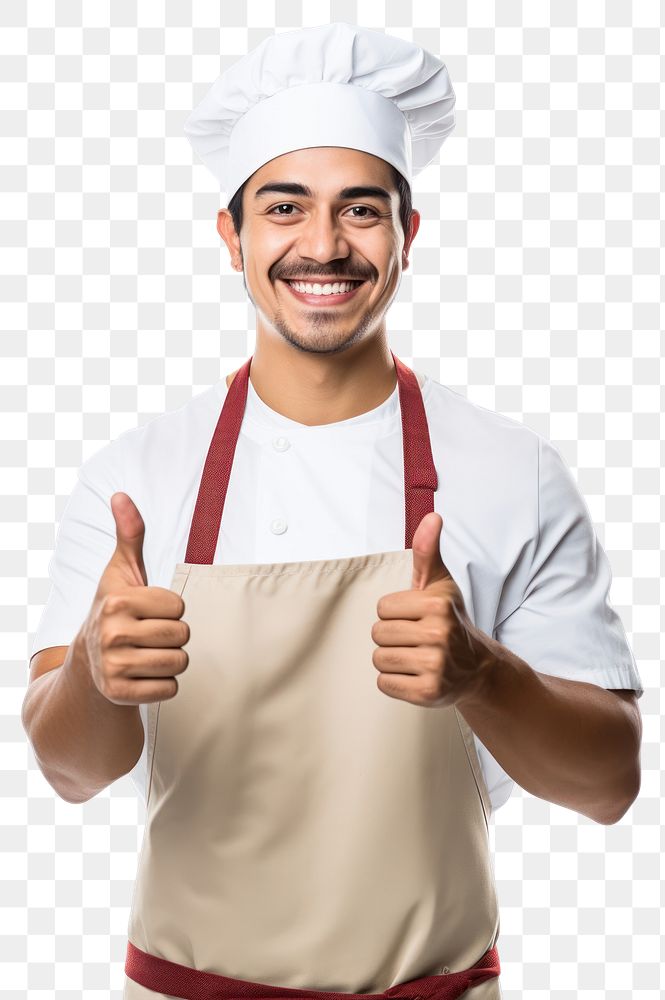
446,969
281,443
278,526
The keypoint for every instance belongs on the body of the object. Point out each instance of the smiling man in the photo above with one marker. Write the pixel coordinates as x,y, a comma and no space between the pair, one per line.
394,605
321,352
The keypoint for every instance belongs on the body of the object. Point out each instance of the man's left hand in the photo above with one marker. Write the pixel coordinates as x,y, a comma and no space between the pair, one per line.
429,652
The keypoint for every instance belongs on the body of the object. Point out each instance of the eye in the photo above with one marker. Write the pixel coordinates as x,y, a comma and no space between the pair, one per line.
365,208
283,205
287,204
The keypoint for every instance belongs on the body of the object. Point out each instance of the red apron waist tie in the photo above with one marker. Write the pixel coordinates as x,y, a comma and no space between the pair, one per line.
192,984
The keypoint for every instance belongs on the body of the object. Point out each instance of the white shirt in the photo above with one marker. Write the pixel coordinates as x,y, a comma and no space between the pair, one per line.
517,535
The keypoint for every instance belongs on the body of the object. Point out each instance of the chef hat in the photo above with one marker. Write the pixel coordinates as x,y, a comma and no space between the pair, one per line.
331,85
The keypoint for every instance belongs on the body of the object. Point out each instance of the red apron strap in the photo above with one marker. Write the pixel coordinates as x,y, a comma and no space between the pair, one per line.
420,478
177,980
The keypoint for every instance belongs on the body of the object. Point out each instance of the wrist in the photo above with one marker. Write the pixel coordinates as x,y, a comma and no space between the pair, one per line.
489,656
78,668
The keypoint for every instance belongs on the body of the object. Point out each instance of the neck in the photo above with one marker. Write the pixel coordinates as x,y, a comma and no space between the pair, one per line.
316,389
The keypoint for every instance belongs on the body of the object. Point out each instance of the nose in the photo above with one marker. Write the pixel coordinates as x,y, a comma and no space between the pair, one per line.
321,238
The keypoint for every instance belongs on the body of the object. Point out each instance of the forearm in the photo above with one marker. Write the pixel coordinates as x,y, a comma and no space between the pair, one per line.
569,742
82,741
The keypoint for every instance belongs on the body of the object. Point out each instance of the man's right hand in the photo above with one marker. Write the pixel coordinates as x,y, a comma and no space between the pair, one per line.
133,635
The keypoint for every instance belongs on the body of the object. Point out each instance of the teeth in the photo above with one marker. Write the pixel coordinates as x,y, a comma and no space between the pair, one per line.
328,289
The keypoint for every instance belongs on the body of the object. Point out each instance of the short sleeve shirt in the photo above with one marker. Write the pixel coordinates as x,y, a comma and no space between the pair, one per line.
517,535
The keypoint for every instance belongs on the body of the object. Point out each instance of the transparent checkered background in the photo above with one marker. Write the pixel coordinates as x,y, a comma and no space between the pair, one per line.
534,288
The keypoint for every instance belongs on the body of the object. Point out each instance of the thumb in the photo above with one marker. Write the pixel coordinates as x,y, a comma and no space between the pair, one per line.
129,531
428,566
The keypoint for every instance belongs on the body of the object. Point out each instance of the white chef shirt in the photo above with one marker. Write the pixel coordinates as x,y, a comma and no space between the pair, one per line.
517,535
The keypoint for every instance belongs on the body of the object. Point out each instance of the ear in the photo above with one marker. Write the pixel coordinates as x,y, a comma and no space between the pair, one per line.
226,230
414,226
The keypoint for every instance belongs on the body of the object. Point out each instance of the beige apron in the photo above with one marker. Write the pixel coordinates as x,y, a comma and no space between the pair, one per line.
304,829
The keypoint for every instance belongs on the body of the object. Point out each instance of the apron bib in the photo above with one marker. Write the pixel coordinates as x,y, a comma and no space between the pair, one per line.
306,835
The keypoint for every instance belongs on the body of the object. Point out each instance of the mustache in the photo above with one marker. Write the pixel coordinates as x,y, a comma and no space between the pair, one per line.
320,276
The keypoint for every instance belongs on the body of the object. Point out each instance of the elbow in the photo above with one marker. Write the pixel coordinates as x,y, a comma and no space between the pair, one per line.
623,798
617,812
62,784
72,797
69,792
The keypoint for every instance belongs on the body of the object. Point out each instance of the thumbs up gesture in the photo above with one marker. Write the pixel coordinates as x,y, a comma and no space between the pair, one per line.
428,651
133,635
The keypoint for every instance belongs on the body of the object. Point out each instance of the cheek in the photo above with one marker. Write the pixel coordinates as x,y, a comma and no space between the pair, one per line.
390,272
265,248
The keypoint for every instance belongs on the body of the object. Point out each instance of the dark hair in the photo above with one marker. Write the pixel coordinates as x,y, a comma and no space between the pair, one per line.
400,182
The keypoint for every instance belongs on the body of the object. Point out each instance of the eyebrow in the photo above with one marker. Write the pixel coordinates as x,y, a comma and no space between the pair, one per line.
357,191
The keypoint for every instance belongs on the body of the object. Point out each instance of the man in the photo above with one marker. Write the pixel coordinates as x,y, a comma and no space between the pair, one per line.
355,699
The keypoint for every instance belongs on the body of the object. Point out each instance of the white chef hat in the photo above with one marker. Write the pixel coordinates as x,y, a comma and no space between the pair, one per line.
331,85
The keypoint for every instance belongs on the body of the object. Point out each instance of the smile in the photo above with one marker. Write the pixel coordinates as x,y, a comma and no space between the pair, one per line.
322,299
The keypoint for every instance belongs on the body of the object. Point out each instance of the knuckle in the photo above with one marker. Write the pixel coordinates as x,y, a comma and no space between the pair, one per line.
114,603
107,635
438,605
432,658
116,637
113,668
107,686
122,691
436,632
431,692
